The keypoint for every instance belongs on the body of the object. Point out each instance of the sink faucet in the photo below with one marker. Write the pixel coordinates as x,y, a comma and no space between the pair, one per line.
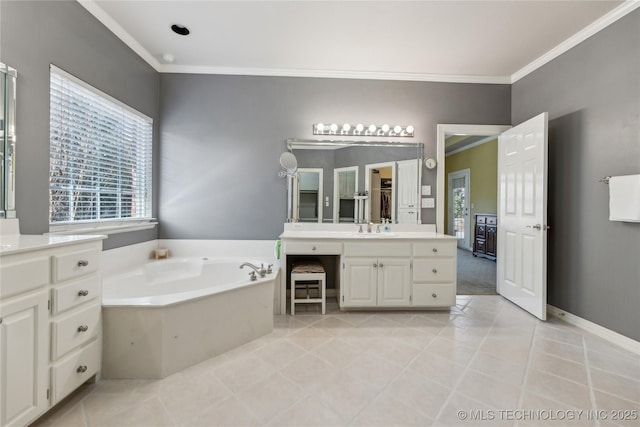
369,225
260,270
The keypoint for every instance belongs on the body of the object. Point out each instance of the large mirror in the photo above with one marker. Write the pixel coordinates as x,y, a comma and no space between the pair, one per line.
8,77
355,182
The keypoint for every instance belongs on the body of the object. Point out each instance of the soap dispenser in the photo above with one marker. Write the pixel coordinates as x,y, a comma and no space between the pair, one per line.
387,227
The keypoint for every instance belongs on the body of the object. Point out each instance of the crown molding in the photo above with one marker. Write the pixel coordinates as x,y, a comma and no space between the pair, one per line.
106,19
606,20
334,74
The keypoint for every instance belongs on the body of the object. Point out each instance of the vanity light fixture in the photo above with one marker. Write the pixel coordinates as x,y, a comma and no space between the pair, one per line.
347,129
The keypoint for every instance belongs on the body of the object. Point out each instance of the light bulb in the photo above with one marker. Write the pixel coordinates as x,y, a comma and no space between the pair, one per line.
359,127
334,127
385,128
397,128
409,129
320,127
346,127
372,128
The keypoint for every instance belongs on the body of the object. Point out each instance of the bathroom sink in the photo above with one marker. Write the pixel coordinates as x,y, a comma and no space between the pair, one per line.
374,235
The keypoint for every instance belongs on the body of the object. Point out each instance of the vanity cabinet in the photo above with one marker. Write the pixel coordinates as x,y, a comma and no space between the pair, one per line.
50,312
403,269
434,273
24,361
376,275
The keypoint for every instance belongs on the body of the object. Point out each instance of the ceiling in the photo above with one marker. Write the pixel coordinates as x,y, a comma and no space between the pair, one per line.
468,41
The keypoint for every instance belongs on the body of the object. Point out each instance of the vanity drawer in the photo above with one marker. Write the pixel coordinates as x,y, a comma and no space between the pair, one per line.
433,270
433,295
492,220
435,248
75,264
377,248
73,330
73,370
75,293
23,276
312,248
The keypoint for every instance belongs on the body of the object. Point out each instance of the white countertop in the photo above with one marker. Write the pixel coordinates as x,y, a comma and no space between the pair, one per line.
17,243
351,235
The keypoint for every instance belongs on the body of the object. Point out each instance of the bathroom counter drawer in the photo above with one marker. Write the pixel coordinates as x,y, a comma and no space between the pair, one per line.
433,295
75,264
377,249
74,293
22,274
73,370
435,248
74,329
434,270
312,248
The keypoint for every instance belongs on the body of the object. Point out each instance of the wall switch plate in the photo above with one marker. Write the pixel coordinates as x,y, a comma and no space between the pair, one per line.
428,202
426,190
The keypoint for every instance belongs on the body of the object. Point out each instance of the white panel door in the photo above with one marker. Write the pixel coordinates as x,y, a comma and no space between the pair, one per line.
394,284
360,282
522,215
408,184
24,353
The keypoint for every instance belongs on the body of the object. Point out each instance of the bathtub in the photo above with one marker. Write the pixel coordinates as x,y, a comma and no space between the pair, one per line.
166,315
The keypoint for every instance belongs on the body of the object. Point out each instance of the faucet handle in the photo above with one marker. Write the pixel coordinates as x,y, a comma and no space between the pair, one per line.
252,276
360,229
269,269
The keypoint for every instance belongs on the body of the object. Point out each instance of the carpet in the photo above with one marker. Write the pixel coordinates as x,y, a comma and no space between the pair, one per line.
476,276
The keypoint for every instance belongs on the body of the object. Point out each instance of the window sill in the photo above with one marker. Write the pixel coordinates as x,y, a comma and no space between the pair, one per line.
106,227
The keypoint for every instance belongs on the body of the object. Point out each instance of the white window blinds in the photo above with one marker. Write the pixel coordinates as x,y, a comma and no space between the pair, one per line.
100,155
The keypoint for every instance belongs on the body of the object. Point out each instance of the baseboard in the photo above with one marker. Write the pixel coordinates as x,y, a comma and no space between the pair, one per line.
600,331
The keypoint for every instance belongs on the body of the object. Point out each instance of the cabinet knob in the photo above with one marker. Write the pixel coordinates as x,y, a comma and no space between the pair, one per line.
435,249
375,265
381,265
83,328
313,248
83,263
434,271
83,293
434,295
81,369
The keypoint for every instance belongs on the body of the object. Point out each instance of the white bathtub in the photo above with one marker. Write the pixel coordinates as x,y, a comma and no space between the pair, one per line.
167,315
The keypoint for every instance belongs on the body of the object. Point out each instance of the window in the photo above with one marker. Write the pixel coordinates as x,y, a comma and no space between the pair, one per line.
100,155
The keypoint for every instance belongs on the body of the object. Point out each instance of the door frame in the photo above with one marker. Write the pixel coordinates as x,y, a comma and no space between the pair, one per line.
336,190
442,130
466,242
367,186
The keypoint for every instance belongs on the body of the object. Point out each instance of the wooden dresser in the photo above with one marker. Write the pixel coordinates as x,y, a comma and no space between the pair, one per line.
484,237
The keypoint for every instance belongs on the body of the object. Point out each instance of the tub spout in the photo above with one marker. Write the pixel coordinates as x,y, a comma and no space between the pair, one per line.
260,270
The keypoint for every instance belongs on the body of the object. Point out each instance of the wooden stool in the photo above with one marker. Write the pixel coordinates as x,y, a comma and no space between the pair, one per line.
312,276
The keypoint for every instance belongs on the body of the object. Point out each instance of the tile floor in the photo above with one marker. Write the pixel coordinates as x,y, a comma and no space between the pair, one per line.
486,362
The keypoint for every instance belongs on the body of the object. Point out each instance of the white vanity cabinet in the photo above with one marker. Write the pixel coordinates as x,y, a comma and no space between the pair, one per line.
24,339
49,322
406,268
376,275
434,273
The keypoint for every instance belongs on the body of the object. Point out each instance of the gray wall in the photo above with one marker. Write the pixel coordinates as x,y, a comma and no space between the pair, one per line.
592,94
222,136
36,34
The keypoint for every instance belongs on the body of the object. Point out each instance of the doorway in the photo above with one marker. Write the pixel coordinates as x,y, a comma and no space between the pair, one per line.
461,148
459,200
380,184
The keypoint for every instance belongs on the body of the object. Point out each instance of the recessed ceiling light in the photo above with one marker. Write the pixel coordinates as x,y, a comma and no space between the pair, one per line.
180,29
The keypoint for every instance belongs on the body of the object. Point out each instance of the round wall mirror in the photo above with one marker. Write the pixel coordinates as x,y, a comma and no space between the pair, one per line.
289,163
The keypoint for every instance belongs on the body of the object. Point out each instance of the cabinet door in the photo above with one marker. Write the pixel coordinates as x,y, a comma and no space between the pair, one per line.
23,359
360,282
491,241
407,216
408,184
394,284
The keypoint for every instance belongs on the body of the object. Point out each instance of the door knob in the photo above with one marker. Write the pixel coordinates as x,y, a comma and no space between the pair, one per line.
539,227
